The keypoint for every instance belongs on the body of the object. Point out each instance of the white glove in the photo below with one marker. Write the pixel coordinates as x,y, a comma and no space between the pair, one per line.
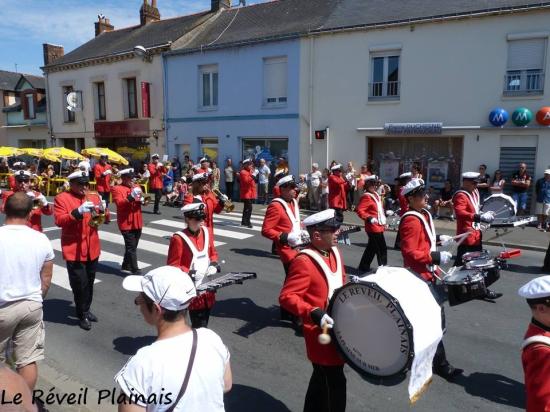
136,192
255,173
212,270
199,277
373,221
31,194
487,217
224,198
446,240
445,257
159,165
390,213
327,321
86,207
294,239
107,172
43,200
103,205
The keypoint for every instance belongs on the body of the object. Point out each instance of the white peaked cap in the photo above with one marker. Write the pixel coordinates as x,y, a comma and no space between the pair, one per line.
414,184
285,180
470,175
336,167
536,288
77,174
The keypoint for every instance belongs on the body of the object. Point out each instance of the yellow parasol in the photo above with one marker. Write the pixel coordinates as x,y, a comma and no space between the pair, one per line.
63,153
113,156
31,151
6,151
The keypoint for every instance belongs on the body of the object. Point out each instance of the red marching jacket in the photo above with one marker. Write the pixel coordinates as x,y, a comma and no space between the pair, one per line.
337,187
12,183
276,192
277,221
403,204
103,183
35,221
79,241
305,289
180,255
213,205
415,245
247,185
366,209
464,212
155,180
128,210
536,367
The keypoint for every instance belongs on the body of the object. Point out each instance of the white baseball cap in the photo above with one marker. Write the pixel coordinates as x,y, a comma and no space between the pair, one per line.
168,286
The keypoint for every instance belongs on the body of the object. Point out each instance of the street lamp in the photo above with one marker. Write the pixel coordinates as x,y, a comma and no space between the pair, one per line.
143,53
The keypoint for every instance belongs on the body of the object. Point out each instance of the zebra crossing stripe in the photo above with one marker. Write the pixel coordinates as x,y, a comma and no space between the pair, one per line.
233,223
181,225
60,277
254,218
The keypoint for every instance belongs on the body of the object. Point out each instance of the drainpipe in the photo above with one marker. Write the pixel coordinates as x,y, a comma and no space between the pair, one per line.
310,97
164,122
49,110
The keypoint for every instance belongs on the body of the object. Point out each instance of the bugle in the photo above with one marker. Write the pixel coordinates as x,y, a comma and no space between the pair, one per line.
98,216
228,205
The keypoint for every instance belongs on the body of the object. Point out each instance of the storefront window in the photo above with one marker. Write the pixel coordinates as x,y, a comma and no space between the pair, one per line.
268,149
136,150
209,148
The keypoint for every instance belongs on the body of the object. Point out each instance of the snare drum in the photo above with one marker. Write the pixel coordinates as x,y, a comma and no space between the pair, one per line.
464,285
484,262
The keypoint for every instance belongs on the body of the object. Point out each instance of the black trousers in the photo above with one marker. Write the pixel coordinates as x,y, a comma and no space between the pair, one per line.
247,211
547,259
229,190
158,195
376,247
327,389
285,314
105,196
397,244
462,249
199,318
81,278
131,240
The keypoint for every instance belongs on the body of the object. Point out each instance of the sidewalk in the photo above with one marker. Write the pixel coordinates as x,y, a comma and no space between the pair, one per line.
527,238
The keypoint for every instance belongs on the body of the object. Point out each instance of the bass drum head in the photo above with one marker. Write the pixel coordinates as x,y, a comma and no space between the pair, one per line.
503,206
371,330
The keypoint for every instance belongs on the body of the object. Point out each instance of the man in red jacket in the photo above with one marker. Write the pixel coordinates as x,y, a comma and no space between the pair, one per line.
312,278
102,175
337,189
468,217
127,197
402,180
192,250
17,166
79,242
536,346
23,184
371,211
420,255
156,171
247,186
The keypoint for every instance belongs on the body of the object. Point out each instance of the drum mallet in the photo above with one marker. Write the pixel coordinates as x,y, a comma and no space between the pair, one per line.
324,338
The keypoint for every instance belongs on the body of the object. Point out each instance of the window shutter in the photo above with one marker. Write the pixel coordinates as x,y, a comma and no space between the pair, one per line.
526,54
275,79
24,105
145,100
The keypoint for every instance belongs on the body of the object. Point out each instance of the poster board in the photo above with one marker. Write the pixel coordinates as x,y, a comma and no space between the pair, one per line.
389,170
437,174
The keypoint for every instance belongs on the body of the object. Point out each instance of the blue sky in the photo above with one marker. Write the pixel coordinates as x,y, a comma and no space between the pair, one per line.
26,24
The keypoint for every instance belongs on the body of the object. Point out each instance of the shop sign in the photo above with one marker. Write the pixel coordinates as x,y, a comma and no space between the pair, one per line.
124,128
521,116
413,128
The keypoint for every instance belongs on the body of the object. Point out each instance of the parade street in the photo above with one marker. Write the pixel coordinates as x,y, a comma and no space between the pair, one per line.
270,369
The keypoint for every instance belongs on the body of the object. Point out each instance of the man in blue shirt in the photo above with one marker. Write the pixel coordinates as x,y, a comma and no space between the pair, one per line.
542,190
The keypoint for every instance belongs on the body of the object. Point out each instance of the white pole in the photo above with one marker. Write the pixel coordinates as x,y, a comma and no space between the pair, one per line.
328,135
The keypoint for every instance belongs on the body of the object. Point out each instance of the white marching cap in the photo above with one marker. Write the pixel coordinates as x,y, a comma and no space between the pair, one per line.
192,206
285,180
404,175
413,185
336,167
155,155
279,172
78,174
19,164
204,159
168,286
470,175
327,216
371,177
547,172
249,160
200,176
536,288
129,170
20,173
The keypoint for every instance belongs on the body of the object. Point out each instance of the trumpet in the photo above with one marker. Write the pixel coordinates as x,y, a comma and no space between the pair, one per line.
36,204
145,200
98,217
228,205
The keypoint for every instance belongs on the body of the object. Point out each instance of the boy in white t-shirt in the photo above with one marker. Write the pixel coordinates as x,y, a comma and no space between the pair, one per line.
188,367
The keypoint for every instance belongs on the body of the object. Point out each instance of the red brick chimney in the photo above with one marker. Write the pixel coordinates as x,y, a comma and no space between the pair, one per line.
52,53
149,13
102,24
220,4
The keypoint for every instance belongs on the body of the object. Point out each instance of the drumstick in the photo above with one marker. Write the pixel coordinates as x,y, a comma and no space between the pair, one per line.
324,338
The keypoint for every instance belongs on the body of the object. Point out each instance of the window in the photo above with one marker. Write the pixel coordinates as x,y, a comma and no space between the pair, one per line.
29,106
209,148
100,110
68,116
209,87
525,67
10,98
275,81
131,98
385,77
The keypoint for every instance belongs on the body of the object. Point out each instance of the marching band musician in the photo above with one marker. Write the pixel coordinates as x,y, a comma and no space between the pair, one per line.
313,276
17,166
127,197
205,166
156,171
279,174
420,255
102,174
371,211
282,226
536,346
193,251
337,188
23,184
200,189
248,191
403,179
79,241
466,208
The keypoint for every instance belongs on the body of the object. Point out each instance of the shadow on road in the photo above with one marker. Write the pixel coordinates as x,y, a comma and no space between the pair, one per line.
255,252
495,388
59,311
128,345
112,268
530,270
256,317
246,398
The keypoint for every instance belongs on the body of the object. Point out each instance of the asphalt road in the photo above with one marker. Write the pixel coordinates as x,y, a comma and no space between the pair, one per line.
270,369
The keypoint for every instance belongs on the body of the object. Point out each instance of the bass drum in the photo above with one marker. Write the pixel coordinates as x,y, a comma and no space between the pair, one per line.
372,329
503,206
